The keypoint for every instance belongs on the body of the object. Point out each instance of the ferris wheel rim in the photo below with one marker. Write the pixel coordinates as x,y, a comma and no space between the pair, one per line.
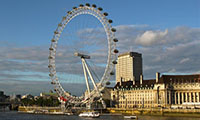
111,47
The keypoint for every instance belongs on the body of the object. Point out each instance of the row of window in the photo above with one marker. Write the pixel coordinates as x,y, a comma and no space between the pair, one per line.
196,80
136,102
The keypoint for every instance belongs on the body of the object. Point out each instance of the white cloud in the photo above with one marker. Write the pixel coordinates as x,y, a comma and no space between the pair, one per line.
198,72
149,38
184,60
172,70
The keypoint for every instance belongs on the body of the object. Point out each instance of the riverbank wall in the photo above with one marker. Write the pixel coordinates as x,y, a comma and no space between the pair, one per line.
156,112
29,109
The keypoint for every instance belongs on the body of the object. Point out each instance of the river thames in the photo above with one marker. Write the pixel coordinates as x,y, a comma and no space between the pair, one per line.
21,116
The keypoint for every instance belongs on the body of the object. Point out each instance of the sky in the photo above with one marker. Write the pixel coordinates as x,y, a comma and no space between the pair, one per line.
167,33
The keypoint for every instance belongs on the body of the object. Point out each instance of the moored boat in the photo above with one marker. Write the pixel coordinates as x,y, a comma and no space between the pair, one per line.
89,114
130,117
60,113
30,111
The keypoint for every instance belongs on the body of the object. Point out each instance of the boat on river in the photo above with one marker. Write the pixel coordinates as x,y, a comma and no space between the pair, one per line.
90,114
130,117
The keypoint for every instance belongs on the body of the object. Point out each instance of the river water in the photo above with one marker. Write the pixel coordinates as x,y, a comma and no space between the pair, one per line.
12,115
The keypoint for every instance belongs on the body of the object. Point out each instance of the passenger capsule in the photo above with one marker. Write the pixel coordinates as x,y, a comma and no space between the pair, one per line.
53,83
113,30
50,57
100,9
102,92
64,18
110,21
69,12
108,83
49,66
115,40
56,32
50,75
112,73
53,40
51,49
81,5
87,4
94,6
105,14
116,51
114,62
60,24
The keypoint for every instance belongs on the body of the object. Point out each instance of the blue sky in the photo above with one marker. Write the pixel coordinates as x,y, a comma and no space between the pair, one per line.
32,22
167,33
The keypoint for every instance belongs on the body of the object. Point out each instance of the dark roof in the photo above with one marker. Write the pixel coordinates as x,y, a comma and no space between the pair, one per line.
181,78
149,82
131,54
129,84
109,87
164,79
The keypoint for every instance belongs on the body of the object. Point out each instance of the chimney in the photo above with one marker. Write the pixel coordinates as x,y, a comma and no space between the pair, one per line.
133,80
141,79
121,81
157,76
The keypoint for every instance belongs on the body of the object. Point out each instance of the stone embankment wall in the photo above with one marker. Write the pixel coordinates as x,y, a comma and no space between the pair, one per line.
35,108
157,111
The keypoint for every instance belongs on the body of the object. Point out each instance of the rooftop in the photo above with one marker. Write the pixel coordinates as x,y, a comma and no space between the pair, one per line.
129,84
180,78
131,54
163,79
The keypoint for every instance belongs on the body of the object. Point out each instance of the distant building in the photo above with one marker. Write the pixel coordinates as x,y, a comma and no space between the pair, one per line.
129,67
28,96
18,96
1,93
48,95
106,96
15,98
181,91
106,93
3,97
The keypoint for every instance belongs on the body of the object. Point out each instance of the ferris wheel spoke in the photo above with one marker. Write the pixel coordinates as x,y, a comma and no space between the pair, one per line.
86,78
91,77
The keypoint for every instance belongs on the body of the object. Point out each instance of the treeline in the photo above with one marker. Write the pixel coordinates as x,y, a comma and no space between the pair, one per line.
48,102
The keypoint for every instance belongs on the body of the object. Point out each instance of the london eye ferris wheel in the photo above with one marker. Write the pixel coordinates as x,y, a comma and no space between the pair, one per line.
83,49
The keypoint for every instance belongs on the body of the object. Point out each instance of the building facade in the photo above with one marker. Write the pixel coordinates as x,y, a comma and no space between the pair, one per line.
169,91
3,97
129,67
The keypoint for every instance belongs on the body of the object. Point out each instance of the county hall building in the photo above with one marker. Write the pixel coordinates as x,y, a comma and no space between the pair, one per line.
169,91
